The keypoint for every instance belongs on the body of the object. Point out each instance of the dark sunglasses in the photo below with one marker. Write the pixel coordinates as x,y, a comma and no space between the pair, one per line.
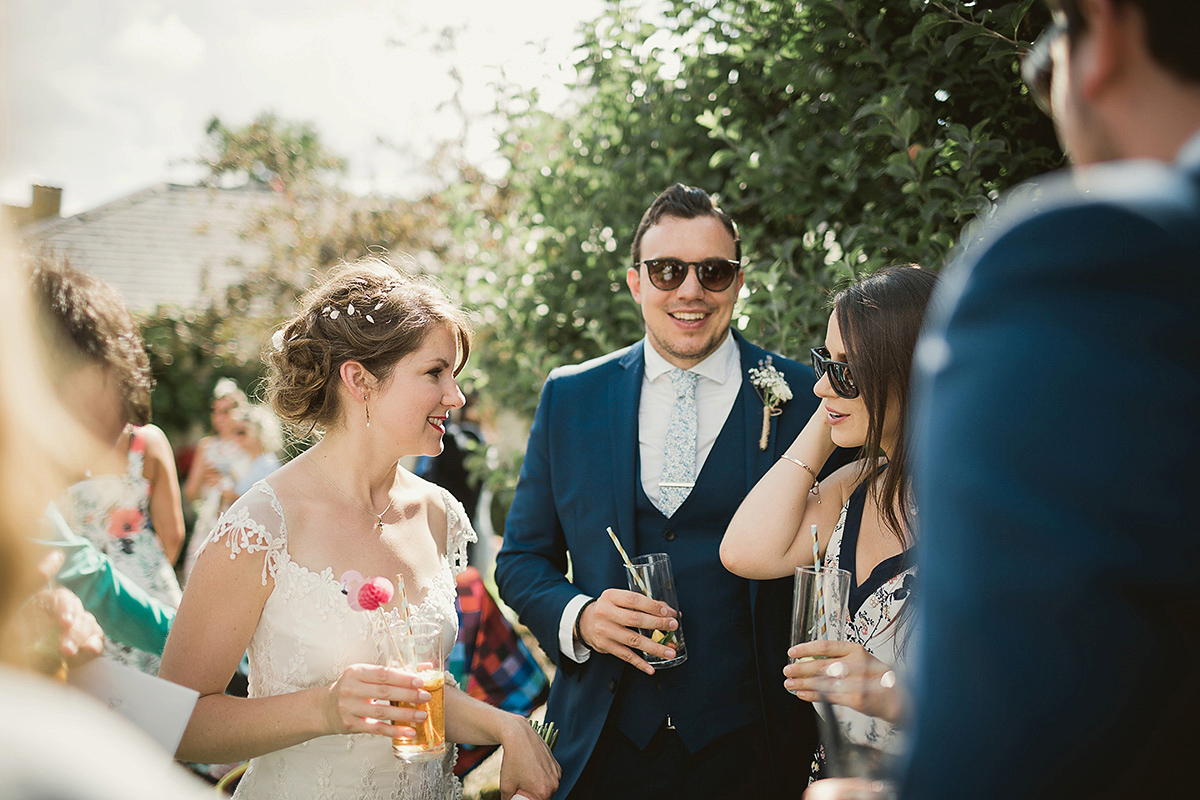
1037,66
838,371
714,274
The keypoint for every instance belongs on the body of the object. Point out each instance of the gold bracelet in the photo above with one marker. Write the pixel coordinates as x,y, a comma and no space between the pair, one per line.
815,491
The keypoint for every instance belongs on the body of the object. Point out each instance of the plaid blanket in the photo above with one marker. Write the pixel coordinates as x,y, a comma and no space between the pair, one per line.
491,661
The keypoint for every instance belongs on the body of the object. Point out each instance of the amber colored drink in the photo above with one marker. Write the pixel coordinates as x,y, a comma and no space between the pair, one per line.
430,741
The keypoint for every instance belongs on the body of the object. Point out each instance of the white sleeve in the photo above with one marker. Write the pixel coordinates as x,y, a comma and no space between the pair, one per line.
567,643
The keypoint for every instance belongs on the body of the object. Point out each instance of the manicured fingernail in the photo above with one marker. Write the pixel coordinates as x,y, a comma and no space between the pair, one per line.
424,697
420,716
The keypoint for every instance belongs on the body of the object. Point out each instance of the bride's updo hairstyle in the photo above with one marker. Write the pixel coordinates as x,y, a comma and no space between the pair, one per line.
368,312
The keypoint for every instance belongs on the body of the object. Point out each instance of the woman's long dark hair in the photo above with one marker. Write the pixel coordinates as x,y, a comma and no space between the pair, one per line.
880,318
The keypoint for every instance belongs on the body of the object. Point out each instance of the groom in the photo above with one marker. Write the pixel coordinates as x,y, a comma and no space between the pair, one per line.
603,451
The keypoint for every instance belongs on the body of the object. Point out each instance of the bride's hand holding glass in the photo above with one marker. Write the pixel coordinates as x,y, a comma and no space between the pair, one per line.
359,701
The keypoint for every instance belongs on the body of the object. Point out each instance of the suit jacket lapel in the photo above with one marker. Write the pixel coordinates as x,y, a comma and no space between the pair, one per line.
757,461
624,394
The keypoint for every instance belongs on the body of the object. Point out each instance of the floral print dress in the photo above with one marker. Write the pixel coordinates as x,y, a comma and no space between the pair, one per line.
875,623
113,512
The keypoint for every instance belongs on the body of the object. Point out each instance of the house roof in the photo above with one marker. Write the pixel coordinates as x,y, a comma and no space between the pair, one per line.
166,245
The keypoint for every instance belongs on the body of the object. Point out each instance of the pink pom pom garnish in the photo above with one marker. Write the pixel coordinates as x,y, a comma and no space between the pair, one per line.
374,593
351,582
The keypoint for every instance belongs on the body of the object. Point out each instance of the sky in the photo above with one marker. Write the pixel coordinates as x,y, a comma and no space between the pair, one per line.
105,97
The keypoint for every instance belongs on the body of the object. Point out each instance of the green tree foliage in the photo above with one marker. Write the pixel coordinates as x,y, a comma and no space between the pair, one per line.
843,135
267,152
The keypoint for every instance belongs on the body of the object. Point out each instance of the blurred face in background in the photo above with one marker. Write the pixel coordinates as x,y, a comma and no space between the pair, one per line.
222,416
93,396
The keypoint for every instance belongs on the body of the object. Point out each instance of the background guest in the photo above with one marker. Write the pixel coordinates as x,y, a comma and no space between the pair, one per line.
130,511
220,459
257,430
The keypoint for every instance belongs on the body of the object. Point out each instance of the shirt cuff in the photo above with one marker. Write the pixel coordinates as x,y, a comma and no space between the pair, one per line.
570,647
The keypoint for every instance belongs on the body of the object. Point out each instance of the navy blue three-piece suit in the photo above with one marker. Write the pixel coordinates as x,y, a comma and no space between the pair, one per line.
581,476
1057,425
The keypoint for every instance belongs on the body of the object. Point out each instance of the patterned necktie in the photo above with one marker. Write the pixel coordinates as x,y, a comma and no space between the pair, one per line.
679,454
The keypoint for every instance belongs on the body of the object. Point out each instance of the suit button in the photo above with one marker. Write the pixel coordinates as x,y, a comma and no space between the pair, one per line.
612,684
669,536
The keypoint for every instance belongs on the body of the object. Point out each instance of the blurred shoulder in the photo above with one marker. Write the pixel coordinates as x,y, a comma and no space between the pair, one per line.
154,438
1104,211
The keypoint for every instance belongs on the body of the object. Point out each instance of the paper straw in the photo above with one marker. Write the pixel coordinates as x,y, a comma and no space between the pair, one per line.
403,603
821,624
628,563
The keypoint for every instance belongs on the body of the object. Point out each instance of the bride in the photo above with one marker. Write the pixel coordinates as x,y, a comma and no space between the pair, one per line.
370,363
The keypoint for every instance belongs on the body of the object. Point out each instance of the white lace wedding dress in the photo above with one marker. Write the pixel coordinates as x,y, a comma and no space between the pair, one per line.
306,636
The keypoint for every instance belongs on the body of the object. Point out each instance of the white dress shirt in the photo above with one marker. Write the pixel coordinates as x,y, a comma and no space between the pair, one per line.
716,392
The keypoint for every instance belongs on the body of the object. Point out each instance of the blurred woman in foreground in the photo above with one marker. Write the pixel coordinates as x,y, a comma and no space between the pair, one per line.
55,742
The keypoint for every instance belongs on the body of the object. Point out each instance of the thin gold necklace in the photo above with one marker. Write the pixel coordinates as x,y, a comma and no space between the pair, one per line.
378,517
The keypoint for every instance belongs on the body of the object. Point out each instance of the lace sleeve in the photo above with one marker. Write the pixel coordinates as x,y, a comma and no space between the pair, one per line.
459,533
254,524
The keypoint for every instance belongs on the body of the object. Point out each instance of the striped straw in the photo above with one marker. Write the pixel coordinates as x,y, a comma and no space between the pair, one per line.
628,563
821,623
403,603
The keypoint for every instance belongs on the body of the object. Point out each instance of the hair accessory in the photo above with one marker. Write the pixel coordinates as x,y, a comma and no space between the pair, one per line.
277,340
815,491
334,313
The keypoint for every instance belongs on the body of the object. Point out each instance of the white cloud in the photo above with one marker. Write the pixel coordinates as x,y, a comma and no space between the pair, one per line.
166,44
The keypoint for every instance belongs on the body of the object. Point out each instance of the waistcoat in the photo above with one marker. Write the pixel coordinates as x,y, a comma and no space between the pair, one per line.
715,691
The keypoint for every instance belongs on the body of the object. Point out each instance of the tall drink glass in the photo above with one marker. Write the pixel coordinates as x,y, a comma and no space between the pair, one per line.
820,604
651,575
420,651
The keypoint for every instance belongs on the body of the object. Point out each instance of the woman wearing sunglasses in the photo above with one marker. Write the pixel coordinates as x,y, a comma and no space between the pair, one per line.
862,511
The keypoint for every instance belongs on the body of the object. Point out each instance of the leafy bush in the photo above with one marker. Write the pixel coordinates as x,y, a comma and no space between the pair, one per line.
842,135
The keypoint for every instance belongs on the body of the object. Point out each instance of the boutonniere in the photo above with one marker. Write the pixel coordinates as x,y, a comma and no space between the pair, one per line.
773,390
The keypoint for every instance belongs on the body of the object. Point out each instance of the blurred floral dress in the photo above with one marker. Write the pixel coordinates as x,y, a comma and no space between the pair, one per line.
229,458
113,512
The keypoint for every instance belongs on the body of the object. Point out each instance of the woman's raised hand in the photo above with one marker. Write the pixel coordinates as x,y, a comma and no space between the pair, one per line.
358,701
847,675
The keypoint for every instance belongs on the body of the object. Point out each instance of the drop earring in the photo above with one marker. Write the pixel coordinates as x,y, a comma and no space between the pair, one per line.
367,405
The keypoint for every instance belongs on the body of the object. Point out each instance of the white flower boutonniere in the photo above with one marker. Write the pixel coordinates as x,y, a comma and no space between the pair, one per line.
774,391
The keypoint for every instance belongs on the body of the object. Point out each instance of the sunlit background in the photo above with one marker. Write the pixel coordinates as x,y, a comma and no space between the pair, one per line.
105,98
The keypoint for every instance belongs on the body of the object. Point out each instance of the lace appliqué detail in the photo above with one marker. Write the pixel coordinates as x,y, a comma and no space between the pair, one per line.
245,534
459,534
